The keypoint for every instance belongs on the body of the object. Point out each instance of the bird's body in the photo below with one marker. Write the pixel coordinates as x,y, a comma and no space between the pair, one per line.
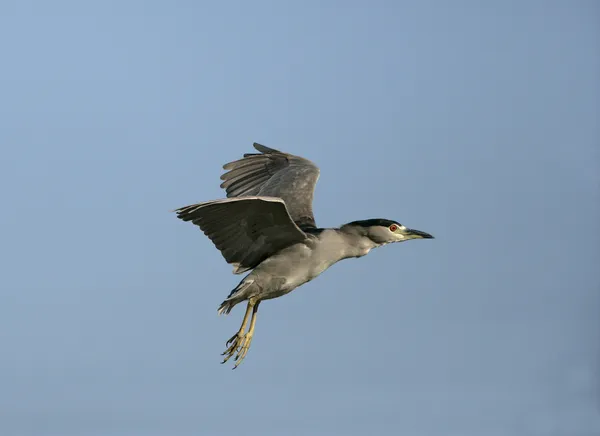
298,264
266,226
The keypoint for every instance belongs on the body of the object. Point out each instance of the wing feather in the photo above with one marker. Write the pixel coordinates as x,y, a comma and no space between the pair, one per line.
273,173
246,230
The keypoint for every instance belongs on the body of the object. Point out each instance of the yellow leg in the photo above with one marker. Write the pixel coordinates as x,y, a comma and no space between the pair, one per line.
236,339
247,338
240,342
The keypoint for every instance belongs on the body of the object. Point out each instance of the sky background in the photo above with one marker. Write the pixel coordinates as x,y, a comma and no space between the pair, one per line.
474,121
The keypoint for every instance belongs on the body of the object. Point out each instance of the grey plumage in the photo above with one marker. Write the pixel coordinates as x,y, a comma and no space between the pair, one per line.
267,225
246,230
275,174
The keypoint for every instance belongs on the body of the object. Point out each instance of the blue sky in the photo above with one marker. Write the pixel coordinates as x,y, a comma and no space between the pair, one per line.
476,122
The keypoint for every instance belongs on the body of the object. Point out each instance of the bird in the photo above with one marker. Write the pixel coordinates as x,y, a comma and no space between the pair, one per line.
266,225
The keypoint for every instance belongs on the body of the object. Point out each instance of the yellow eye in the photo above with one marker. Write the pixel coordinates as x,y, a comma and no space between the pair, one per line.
393,227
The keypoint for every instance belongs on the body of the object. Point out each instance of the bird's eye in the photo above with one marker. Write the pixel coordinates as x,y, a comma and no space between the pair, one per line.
393,227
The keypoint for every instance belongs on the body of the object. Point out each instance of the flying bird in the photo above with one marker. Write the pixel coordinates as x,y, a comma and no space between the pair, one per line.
266,225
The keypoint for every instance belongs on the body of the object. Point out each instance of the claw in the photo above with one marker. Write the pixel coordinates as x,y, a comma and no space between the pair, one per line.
240,342
233,348
234,344
241,355
231,339
239,348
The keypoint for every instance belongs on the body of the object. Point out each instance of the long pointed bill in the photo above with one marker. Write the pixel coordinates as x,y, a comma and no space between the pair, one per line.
418,234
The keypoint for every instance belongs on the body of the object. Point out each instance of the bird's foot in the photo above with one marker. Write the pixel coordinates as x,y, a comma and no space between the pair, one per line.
240,344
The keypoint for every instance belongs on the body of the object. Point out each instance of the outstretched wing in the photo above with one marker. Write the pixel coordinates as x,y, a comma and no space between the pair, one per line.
273,173
246,230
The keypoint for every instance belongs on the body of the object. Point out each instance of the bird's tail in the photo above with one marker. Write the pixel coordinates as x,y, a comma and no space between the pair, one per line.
237,295
226,306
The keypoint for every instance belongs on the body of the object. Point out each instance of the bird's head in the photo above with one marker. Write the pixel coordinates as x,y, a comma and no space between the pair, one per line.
383,231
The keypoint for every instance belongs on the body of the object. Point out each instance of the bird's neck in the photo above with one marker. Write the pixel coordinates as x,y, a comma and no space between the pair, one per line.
356,244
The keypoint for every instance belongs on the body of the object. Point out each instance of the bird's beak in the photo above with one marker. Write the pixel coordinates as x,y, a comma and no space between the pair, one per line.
417,234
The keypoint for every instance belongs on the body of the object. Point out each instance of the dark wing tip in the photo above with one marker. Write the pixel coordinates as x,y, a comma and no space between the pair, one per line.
185,213
264,149
179,210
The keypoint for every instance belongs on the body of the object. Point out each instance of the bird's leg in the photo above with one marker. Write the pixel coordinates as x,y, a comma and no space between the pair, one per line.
236,339
243,326
245,346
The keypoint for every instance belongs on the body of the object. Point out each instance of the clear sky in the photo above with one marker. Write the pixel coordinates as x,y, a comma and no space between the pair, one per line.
474,121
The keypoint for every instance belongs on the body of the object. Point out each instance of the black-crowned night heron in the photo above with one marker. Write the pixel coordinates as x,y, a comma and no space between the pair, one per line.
267,225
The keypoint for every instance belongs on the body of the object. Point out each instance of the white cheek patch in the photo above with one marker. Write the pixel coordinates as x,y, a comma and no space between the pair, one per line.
400,236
